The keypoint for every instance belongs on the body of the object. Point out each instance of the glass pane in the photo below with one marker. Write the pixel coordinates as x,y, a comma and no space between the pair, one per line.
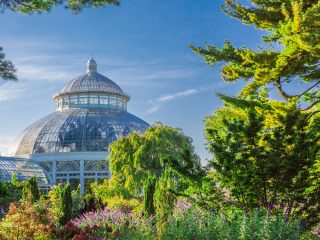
113,101
103,100
76,130
83,100
94,100
73,100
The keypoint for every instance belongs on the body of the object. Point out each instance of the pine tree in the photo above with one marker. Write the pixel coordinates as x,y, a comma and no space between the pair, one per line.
266,152
34,6
7,70
290,55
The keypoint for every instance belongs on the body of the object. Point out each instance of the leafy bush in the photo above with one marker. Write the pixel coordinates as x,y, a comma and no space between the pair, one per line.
195,224
26,220
30,191
65,204
115,196
123,225
9,192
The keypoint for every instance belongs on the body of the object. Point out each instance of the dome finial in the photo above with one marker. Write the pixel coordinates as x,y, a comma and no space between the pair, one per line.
91,65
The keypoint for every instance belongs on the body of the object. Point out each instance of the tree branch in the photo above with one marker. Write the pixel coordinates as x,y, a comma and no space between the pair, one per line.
314,85
281,92
311,105
312,113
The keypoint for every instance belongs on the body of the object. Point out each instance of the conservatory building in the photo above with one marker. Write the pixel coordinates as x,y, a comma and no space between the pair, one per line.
70,145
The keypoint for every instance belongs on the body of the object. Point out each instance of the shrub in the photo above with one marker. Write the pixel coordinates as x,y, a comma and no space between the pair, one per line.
65,204
233,225
116,223
27,221
30,191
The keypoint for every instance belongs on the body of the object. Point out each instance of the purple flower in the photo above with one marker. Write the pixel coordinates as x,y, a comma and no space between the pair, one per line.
113,217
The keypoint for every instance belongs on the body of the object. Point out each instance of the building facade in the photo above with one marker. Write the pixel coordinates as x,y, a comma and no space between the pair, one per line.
71,144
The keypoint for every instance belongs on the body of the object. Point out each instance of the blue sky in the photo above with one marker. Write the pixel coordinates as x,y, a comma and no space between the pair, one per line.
141,45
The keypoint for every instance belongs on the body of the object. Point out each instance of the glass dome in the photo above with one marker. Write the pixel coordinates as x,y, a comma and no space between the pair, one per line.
91,90
91,113
78,130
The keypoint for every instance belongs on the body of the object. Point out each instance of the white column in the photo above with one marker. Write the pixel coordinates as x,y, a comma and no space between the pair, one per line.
54,172
81,176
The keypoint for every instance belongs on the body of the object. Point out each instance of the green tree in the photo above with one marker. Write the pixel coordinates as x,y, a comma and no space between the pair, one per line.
65,204
30,191
34,6
7,70
139,161
149,190
291,53
164,198
264,153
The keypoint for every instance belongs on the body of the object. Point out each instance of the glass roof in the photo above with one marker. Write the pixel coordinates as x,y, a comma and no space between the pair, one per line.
84,121
91,82
22,168
77,130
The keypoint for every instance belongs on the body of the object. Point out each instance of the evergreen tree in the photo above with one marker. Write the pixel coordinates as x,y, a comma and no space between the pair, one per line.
266,153
65,204
7,70
290,56
30,191
34,6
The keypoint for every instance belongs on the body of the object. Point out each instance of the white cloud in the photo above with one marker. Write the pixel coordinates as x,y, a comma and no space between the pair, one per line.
169,97
10,91
153,109
155,105
149,74
46,73
7,147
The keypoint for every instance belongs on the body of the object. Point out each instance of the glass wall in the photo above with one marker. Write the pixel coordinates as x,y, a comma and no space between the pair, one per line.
93,99
74,100
96,100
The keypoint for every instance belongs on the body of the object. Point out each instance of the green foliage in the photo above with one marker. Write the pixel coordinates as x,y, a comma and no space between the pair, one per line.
30,191
149,189
26,220
313,193
133,159
112,195
294,25
209,196
109,188
7,69
65,204
35,6
234,225
53,199
164,197
265,155
10,191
